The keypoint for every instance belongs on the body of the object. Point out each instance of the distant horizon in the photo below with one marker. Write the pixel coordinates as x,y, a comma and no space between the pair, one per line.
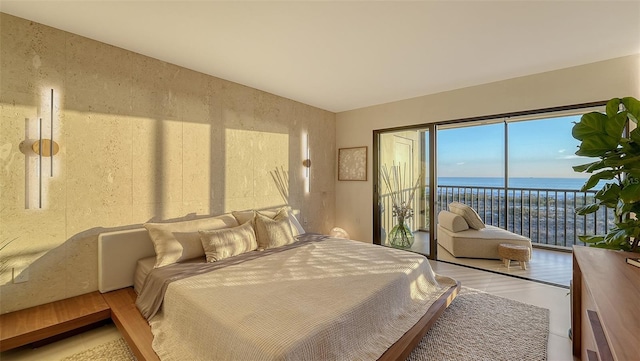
541,148
567,183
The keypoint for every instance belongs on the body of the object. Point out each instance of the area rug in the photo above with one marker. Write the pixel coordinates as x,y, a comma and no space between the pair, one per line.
116,350
482,326
476,326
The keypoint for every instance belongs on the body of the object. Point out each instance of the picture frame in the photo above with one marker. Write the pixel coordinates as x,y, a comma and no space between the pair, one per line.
352,164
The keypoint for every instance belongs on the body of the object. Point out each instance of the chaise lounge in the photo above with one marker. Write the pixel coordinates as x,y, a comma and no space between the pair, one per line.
462,233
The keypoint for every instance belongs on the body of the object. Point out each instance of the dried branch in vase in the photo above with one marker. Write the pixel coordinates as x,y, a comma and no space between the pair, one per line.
281,179
401,198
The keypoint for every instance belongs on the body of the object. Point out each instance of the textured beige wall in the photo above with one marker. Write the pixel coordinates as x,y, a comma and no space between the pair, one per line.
593,82
140,140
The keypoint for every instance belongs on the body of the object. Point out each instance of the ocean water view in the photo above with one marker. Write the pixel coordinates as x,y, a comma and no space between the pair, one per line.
527,183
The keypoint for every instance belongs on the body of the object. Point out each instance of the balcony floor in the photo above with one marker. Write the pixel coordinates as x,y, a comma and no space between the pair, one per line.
546,266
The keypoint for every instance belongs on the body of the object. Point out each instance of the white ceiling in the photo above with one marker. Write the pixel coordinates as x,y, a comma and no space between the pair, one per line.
345,55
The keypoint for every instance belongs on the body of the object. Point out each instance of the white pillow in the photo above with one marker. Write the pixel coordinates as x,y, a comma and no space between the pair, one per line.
228,242
275,232
296,227
179,241
468,213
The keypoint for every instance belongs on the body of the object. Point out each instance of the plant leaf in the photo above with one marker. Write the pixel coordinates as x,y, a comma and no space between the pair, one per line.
590,124
597,166
616,236
620,161
591,239
597,145
632,105
613,107
598,134
635,135
596,177
611,246
630,193
615,125
609,195
584,167
588,209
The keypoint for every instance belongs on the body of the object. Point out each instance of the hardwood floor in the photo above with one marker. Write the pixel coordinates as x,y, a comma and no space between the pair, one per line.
546,266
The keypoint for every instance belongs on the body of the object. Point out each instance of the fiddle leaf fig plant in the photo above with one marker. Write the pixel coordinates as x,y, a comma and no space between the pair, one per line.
613,138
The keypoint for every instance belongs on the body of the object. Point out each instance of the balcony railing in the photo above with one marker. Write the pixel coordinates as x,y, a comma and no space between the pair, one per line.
546,216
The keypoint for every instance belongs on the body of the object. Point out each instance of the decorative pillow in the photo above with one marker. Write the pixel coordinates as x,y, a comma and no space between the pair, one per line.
275,232
468,213
296,227
248,215
452,221
245,216
228,242
179,241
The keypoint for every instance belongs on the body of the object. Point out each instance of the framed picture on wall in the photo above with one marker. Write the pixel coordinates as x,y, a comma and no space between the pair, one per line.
352,164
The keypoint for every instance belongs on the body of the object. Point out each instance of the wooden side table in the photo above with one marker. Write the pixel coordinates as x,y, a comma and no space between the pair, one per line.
52,319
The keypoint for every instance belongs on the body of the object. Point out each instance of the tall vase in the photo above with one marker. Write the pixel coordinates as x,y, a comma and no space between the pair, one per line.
400,235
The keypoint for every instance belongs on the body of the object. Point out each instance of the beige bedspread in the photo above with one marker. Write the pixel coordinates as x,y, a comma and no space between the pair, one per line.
328,300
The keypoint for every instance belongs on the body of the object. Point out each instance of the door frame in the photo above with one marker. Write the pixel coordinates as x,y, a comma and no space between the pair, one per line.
431,143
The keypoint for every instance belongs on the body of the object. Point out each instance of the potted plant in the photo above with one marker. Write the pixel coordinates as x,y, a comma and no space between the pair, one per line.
607,136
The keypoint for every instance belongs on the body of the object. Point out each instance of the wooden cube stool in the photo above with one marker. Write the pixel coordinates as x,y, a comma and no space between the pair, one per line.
509,252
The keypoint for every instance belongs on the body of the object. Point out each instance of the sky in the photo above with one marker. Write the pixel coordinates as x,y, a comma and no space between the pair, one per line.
538,148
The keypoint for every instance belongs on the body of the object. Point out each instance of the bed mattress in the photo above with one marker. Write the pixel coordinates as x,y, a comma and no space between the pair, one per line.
320,298
143,267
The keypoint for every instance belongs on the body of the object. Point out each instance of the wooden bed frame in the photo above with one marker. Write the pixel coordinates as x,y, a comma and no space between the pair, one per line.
118,254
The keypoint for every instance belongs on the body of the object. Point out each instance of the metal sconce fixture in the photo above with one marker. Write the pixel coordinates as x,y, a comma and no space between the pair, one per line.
307,162
44,147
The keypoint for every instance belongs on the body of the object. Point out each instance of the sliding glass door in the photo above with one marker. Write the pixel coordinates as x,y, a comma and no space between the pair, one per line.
403,197
472,166
514,169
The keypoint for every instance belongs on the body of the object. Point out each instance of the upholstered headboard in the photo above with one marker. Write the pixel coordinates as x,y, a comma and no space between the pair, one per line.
118,254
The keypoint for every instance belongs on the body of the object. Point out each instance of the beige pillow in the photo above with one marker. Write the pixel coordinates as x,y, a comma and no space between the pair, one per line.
249,215
468,213
228,242
452,221
245,216
275,232
179,241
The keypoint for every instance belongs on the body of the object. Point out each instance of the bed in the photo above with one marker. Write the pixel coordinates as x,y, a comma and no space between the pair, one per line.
337,298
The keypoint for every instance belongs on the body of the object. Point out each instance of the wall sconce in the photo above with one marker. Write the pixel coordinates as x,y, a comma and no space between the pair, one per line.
44,147
306,163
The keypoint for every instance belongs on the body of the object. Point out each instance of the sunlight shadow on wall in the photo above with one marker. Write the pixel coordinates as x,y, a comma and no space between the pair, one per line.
250,156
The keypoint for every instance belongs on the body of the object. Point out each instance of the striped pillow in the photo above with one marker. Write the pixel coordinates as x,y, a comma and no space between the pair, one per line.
228,242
